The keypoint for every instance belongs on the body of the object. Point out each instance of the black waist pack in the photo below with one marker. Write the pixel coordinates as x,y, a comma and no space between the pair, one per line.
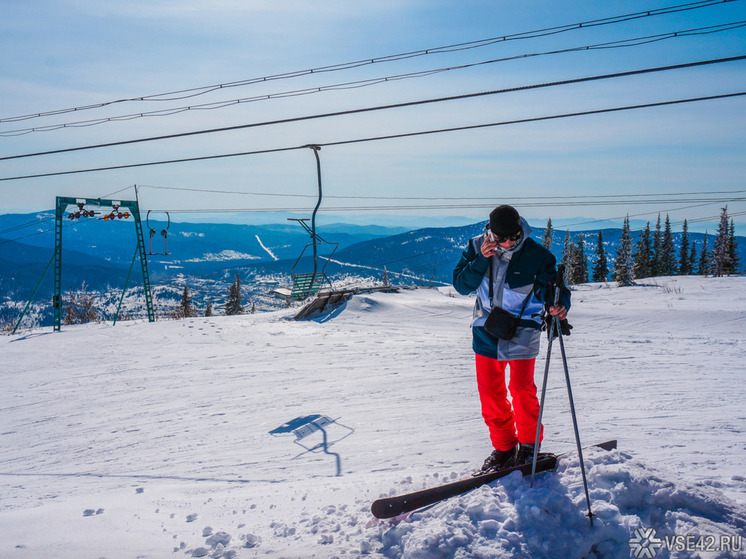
501,324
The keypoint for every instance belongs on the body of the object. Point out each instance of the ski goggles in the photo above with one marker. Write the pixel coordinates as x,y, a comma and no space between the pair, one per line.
503,238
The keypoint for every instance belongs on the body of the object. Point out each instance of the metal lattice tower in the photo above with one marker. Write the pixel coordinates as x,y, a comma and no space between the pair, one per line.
62,203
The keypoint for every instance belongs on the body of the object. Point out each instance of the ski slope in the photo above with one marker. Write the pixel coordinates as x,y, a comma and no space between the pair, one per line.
153,440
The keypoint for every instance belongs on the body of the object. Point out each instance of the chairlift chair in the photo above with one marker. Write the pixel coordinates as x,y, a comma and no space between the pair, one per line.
307,283
164,234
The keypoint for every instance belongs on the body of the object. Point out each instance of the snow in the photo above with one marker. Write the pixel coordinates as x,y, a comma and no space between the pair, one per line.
224,255
153,440
271,254
381,271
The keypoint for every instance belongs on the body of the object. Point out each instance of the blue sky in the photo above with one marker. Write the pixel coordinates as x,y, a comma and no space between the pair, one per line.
68,54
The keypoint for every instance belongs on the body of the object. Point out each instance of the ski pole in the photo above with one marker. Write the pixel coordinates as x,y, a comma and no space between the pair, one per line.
575,424
550,330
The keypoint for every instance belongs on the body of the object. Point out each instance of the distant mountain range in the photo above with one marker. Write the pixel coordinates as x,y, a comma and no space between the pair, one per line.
206,256
27,244
431,254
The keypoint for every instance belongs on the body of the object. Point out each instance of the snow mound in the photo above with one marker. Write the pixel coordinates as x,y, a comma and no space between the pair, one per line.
404,305
509,519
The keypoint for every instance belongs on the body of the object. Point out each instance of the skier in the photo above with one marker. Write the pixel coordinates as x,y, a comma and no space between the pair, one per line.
520,272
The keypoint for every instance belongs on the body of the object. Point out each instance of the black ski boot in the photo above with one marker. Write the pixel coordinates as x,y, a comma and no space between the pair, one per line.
525,454
498,460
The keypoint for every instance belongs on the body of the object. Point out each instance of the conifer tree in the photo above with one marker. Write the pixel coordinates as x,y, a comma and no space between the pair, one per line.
601,271
704,258
623,265
735,262
667,258
185,309
568,259
80,306
693,258
548,234
233,304
655,256
721,262
685,263
580,263
208,310
642,259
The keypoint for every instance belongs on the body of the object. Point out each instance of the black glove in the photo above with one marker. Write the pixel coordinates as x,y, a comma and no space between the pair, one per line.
565,326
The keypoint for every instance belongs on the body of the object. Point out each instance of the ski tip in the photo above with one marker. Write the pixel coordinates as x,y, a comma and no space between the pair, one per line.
382,510
608,445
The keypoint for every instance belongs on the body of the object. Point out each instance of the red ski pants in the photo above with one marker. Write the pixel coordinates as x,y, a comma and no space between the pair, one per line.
508,425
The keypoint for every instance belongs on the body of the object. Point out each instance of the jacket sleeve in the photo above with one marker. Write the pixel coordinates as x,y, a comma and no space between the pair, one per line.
470,270
545,278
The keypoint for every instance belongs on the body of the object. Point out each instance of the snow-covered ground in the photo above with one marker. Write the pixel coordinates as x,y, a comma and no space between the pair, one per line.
153,440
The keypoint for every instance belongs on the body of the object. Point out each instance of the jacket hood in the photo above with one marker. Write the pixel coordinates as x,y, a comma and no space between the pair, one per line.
527,230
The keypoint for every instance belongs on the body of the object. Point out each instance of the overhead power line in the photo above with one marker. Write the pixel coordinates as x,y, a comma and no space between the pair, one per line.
197,91
701,219
654,212
42,232
624,43
551,204
386,137
692,203
599,202
440,198
36,222
41,220
383,107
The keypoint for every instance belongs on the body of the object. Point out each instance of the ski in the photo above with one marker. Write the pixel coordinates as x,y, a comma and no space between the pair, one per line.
389,507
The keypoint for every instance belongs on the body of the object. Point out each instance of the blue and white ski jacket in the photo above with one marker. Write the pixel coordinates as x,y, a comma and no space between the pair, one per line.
525,271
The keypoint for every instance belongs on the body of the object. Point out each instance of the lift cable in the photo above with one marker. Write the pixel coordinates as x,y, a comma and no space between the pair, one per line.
437,198
515,200
624,43
385,137
194,92
255,210
550,204
51,217
396,106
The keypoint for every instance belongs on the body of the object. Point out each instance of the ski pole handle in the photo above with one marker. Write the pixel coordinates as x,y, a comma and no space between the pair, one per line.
558,281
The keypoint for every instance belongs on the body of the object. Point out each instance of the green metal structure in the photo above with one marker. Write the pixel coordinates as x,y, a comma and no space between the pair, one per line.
62,203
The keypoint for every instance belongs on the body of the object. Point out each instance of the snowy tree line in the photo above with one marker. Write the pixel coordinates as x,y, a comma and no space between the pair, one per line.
653,255
80,306
233,304
652,252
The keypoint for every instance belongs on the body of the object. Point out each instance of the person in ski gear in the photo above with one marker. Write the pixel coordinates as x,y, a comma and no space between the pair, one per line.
522,273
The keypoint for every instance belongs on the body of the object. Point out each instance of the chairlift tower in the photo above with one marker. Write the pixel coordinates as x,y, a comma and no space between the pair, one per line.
62,203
